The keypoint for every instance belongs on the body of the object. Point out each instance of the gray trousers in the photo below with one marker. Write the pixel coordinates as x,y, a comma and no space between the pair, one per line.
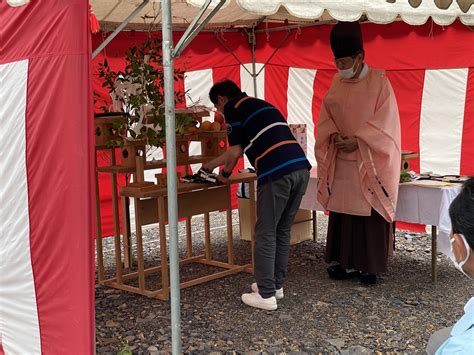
277,204
437,339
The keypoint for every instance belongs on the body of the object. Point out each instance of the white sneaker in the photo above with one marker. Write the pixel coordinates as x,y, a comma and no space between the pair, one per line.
255,300
278,293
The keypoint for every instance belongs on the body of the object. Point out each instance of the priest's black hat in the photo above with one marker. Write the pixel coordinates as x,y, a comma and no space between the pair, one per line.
346,39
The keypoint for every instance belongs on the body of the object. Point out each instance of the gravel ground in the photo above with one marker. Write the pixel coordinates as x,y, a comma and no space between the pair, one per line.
317,314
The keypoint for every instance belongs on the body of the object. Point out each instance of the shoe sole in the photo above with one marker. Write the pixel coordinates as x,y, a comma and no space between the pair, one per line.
277,296
260,306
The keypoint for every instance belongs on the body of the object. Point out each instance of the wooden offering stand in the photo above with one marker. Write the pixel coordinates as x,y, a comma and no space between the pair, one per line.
151,207
193,199
103,131
406,157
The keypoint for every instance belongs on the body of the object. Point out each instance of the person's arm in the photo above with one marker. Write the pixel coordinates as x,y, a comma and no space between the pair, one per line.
214,163
347,145
234,153
229,159
327,134
234,136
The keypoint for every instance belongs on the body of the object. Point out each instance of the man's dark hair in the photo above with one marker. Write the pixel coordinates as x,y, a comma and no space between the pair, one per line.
224,88
461,212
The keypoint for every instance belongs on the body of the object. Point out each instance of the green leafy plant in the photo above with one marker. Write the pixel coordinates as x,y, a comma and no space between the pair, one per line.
405,176
125,351
183,123
137,90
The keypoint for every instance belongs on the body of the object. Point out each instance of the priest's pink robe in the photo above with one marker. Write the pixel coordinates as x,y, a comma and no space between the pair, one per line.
354,183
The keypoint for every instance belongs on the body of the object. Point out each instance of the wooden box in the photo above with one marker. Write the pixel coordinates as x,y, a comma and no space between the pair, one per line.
103,127
300,231
406,157
182,150
130,150
213,144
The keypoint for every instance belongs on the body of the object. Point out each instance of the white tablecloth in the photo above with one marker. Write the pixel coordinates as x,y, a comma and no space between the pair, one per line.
416,204
310,202
428,205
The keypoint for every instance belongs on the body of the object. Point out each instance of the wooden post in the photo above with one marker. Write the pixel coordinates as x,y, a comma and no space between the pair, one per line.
165,283
189,240
140,261
140,170
207,236
127,250
434,254
315,225
118,248
230,234
253,218
98,225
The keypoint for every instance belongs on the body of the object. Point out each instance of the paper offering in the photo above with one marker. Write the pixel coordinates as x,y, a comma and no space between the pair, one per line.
299,131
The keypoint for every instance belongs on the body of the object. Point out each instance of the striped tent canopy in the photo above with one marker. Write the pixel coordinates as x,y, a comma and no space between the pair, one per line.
434,87
464,5
245,13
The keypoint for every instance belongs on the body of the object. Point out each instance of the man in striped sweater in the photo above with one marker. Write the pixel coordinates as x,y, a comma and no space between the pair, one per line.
259,130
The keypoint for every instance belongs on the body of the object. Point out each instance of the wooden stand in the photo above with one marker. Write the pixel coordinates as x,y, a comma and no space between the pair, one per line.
213,144
115,210
104,127
151,207
406,157
130,150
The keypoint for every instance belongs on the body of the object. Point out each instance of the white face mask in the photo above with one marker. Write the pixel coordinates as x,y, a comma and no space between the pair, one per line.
349,73
459,265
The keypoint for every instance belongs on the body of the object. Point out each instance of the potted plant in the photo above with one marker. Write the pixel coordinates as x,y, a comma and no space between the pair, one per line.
137,92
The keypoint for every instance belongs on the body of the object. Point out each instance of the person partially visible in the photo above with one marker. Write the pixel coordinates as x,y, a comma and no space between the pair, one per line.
358,154
259,130
460,337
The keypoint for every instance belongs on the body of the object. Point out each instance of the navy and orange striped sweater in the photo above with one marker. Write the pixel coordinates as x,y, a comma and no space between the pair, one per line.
263,133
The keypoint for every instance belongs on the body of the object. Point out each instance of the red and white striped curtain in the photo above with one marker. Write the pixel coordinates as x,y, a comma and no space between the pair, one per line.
46,249
431,69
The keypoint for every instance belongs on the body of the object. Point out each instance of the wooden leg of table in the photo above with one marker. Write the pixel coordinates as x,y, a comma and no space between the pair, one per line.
230,234
189,240
394,234
165,283
314,218
140,260
434,253
253,218
98,225
127,226
207,235
118,244
126,235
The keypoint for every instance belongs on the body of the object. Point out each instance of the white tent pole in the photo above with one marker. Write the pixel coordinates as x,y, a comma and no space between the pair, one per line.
168,67
195,27
253,43
191,26
226,47
302,25
119,28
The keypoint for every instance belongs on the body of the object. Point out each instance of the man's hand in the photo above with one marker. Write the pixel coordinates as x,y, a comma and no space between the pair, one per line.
222,179
347,145
337,138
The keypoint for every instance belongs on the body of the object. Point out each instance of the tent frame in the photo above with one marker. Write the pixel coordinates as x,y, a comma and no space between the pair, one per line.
168,65
169,53
120,28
